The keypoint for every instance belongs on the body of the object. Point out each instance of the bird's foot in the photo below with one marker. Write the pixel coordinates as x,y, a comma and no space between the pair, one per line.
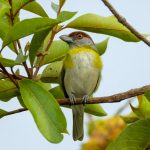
84,99
72,99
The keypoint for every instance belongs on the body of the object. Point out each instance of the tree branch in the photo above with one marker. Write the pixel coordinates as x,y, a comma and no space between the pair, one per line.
107,99
122,20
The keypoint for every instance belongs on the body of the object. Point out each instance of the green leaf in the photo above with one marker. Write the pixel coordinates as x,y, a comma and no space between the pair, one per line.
135,137
66,15
5,26
57,92
36,43
3,113
130,118
61,3
45,110
147,95
143,110
35,8
4,7
57,51
104,25
27,27
94,109
46,86
7,62
7,90
17,5
51,73
102,46
55,7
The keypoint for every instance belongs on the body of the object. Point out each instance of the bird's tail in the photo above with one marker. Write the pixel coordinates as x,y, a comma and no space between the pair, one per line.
78,115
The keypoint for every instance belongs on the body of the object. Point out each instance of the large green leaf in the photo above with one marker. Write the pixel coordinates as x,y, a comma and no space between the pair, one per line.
7,90
4,7
45,110
104,25
94,109
51,73
27,27
3,113
35,8
36,43
135,137
143,110
57,51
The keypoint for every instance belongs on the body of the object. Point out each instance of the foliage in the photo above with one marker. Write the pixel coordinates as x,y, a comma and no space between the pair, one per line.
34,90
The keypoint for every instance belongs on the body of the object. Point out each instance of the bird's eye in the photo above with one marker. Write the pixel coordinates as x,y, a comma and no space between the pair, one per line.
80,36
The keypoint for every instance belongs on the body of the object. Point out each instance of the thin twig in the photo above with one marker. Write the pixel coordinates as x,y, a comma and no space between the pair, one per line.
27,69
122,20
16,111
8,75
107,99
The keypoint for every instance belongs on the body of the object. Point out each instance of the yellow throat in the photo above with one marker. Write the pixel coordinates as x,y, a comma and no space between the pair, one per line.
69,63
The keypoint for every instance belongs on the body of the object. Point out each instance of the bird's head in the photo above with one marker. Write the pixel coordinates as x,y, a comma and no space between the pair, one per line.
78,39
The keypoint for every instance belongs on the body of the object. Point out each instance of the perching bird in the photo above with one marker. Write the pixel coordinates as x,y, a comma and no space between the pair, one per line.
82,73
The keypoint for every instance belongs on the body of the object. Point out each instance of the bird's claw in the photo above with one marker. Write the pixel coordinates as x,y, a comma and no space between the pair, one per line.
72,100
84,99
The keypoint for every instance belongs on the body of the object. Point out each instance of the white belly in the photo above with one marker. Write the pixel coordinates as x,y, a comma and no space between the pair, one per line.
83,78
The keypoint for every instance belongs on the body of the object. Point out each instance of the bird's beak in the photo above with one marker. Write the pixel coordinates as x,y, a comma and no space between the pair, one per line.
66,38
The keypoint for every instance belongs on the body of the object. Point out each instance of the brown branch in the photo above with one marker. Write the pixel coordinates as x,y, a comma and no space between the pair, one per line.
107,99
122,20
27,70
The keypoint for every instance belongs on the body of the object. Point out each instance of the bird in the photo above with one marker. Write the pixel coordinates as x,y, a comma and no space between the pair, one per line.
82,67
